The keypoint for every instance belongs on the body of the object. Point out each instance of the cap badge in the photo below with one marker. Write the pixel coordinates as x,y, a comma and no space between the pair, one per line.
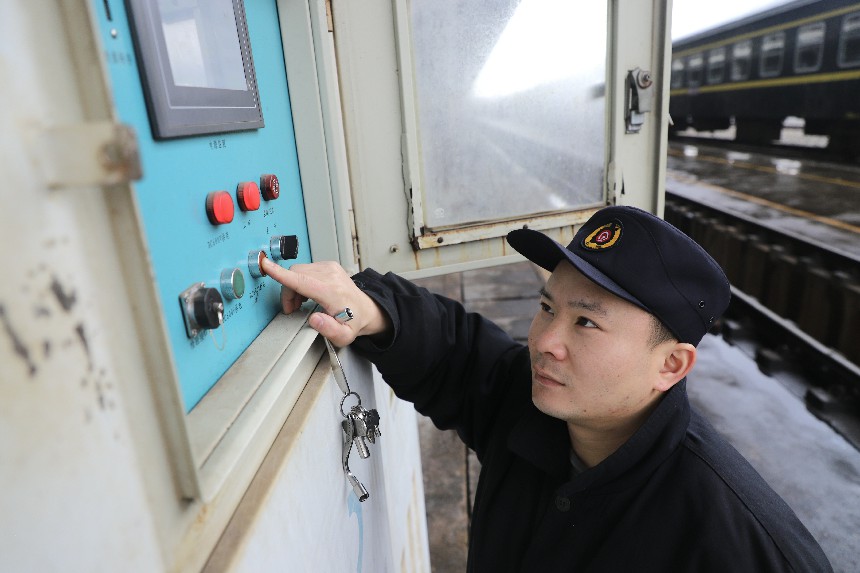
603,237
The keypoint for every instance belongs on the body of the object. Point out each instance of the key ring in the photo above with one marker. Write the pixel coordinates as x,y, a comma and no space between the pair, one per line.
345,396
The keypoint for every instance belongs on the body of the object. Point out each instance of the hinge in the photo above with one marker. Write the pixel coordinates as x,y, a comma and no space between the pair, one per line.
89,154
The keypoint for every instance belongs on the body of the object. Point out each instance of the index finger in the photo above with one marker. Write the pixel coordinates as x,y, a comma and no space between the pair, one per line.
303,283
286,277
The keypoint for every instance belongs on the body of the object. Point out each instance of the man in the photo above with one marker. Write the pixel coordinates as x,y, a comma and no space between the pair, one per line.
591,458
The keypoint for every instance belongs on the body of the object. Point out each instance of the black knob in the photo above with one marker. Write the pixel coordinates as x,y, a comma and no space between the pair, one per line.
284,247
208,308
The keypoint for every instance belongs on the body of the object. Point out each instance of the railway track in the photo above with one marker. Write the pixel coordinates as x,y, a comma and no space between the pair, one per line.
792,146
795,306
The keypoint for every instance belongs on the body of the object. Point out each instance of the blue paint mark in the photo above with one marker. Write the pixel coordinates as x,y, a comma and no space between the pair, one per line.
355,507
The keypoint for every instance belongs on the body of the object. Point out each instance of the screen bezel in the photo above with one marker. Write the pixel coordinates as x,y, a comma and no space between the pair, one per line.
180,111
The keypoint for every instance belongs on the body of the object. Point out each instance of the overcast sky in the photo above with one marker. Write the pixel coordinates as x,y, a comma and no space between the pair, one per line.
691,16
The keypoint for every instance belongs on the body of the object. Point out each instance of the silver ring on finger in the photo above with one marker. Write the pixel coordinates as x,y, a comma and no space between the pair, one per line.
345,315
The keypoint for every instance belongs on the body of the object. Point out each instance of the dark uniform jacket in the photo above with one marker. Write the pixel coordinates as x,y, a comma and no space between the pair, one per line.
675,497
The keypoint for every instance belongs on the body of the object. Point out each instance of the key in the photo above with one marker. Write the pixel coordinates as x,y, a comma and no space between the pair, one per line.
366,423
357,418
360,491
348,426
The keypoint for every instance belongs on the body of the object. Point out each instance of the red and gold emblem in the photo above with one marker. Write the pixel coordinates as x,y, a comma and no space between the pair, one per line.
603,237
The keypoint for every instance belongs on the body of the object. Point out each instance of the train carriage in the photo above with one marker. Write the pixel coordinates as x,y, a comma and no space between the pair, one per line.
801,59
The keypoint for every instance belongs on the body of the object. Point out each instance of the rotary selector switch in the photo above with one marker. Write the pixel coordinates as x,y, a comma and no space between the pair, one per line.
270,186
202,308
284,247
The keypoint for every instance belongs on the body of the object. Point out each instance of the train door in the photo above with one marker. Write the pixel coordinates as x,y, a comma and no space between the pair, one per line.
157,411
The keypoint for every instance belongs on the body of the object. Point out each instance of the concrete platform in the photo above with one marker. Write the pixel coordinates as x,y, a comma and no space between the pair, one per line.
815,470
809,199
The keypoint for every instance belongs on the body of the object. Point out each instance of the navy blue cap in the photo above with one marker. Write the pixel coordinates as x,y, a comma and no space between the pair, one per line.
644,260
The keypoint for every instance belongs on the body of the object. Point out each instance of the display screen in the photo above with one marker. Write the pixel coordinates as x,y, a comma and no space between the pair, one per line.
203,44
196,66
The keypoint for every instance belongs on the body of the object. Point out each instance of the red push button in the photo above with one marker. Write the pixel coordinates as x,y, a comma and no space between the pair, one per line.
270,186
219,207
248,195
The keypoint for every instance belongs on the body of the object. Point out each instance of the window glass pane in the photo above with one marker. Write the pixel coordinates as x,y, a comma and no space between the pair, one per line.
694,70
716,65
511,107
741,56
849,41
677,73
772,47
810,47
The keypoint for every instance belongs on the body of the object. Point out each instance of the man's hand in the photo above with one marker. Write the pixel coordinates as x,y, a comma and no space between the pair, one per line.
329,285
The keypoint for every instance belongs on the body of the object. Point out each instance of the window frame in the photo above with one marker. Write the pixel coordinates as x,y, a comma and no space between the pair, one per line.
819,29
849,31
695,65
765,52
746,46
678,73
716,54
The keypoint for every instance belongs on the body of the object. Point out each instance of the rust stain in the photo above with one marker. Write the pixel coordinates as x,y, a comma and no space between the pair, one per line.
17,345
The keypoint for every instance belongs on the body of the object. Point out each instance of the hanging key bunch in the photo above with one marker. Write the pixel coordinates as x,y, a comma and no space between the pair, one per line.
359,426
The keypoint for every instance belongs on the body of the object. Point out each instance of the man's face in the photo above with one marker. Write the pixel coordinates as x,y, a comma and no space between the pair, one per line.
592,363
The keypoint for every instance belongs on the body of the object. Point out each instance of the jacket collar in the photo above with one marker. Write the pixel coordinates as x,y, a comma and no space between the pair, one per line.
543,441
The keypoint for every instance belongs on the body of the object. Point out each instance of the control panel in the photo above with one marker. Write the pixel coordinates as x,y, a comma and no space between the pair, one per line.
220,188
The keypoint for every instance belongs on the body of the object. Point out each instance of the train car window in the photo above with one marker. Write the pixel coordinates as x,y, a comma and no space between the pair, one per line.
716,65
849,41
772,51
741,60
810,48
678,73
694,70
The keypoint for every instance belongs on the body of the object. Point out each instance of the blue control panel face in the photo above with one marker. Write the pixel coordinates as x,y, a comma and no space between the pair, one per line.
208,201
